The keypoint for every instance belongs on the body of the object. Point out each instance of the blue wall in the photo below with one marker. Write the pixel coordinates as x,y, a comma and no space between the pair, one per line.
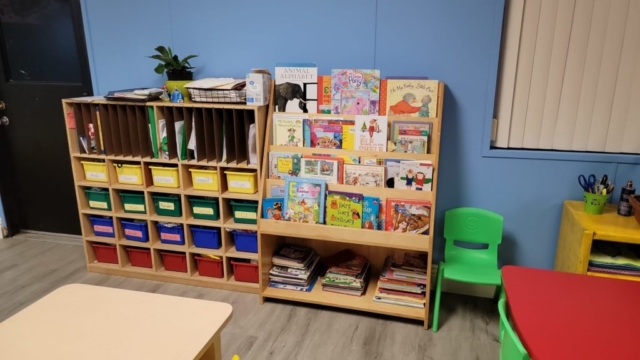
456,41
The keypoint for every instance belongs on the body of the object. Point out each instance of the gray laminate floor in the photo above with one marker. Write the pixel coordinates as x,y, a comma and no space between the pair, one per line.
31,268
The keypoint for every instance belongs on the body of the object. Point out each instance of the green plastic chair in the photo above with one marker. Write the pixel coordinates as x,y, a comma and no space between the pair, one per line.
511,348
477,266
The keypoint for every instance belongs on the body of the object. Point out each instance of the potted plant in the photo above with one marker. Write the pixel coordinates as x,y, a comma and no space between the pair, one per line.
179,72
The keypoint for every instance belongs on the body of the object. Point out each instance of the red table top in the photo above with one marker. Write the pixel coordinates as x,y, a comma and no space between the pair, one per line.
568,316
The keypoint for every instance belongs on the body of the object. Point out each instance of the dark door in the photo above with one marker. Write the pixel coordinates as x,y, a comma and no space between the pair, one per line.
44,60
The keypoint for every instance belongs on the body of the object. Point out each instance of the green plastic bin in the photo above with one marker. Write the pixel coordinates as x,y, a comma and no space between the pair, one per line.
205,208
98,199
245,212
133,202
167,205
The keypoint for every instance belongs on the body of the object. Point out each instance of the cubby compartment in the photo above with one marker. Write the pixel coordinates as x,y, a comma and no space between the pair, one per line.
130,202
173,132
127,173
174,261
170,233
209,265
165,176
105,253
205,237
96,199
138,257
95,171
202,179
244,211
87,126
245,240
245,270
102,226
203,208
241,181
168,205
135,230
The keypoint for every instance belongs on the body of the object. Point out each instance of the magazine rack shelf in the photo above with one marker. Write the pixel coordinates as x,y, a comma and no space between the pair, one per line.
376,245
125,132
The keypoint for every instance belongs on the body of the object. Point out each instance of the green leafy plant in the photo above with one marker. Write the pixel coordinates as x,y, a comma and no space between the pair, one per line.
170,62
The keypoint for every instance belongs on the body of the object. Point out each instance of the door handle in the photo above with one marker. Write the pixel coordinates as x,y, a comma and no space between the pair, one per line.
4,121
2,105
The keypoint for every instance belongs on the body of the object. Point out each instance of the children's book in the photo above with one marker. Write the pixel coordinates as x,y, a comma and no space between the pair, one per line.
347,159
393,172
283,164
304,200
326,168
272,208
293,256
410,261
371,160
302,288
383,215
277,191
326,136
414,146
371,133
362,175
411,97
411,130
415,175
408,216
288,130
344,209
324,94
296,88
371,213
360,89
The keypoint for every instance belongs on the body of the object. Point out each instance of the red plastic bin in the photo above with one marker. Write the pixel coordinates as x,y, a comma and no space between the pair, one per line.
140,257
174,261
210,267
245,272
106,253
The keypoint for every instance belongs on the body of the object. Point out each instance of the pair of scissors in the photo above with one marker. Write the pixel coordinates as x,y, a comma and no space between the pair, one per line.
587,183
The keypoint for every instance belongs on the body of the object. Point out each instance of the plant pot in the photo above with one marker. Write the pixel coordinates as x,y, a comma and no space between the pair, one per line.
180,75
171,85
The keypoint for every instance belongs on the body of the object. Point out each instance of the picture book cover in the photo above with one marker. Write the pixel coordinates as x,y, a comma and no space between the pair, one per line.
304,200
411,261
415,146
345,262
283,164
272,208
371,213
366,101
296,88
415,175
326,136
408,216
414,98
325,168
324,94
371,160
411,130
371,133
288,130
344,209
362,175
293,253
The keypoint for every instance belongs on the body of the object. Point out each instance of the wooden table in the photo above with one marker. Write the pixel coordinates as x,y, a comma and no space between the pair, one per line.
91,322
578,231
568,316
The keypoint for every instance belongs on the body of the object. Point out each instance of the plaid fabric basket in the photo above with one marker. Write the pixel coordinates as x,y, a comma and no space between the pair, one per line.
218,95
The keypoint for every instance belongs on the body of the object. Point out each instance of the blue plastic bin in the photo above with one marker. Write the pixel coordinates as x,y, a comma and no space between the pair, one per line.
173,235
207,238
135,230
246,242
102,226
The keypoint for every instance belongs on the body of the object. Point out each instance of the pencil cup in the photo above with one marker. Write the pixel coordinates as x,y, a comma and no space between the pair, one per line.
594,203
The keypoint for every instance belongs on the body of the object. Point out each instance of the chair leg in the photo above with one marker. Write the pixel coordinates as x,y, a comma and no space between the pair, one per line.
436,306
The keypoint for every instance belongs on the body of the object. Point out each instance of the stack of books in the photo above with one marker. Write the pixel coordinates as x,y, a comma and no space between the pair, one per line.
294,268
403,281
347,273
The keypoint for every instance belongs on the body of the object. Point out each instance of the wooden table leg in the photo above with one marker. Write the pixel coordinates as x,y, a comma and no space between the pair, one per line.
214,352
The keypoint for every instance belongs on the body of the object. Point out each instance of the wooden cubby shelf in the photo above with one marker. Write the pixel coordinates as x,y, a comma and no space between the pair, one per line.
125,139
326,240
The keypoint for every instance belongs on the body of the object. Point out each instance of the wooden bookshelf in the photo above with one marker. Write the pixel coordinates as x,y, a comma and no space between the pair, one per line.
124,128
326,240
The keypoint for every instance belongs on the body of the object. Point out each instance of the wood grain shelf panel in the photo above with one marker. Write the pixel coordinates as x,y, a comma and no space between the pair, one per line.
233,253
128,187
197,250
614,276
234,225
135,243
124,215
362,303
164,190
346,235
232,280
194,192
100,239
92,184
199,222
96,212
240,196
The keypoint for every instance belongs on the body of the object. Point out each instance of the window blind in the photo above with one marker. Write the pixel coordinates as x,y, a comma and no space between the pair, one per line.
570,76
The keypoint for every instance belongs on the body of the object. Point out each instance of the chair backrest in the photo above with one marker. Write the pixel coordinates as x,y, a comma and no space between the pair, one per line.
511,347
476,226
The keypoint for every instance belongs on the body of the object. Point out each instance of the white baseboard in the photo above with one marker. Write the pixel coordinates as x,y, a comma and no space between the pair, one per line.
51,237
483,291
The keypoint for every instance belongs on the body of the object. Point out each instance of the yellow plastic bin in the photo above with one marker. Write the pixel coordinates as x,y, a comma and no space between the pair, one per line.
165,176
129,174
95,171
242,181
204,179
